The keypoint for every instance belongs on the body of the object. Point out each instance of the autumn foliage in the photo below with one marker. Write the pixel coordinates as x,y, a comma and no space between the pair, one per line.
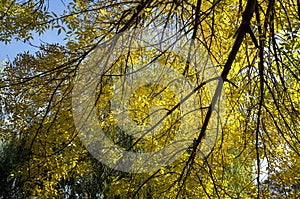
246,91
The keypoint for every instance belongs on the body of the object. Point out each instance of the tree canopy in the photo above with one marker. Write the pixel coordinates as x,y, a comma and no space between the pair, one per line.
209,88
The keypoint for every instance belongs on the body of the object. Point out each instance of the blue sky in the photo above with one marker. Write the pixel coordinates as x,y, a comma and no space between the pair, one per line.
11,50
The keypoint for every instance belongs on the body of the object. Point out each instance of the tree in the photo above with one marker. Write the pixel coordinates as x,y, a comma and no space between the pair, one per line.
254,46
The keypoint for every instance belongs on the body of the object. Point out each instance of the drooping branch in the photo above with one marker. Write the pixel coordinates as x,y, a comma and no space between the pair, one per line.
242,30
